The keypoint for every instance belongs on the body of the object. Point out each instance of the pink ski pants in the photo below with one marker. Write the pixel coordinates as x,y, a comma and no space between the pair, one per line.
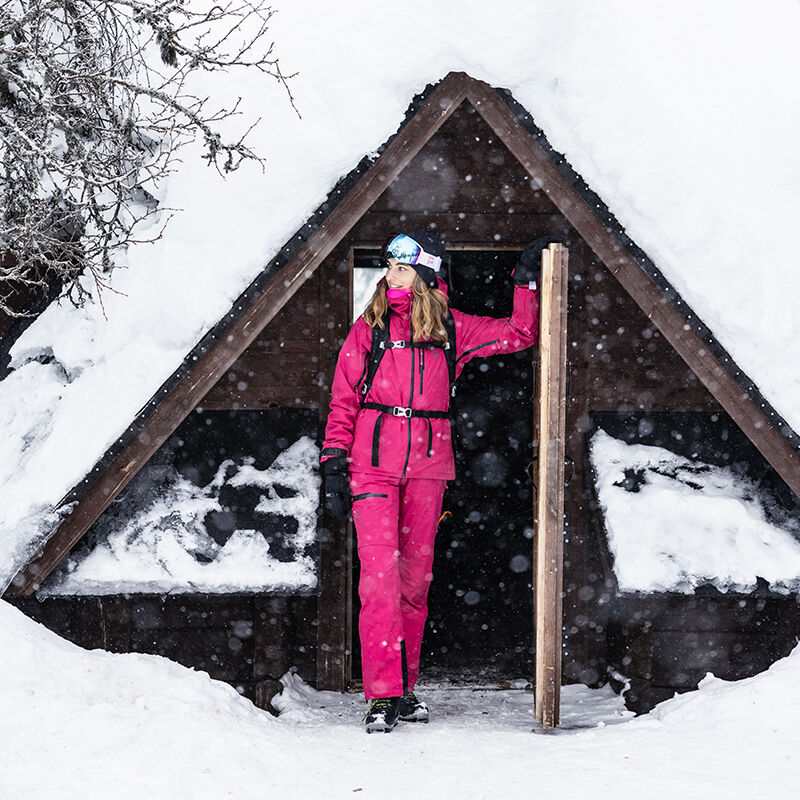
396,521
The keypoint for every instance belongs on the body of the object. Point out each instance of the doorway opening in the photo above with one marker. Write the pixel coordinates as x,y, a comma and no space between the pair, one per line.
480,605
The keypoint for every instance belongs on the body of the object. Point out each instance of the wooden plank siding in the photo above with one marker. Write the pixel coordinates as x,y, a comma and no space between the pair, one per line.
622,360
241,639
334,608
665,643
607,373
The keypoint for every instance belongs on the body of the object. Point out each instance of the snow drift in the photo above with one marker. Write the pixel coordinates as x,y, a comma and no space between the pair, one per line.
156,540
88,725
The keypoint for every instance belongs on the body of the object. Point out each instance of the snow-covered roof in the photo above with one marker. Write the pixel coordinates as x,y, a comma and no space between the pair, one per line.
691,147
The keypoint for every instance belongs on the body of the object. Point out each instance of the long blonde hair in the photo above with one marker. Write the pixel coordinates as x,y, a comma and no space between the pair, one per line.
428,310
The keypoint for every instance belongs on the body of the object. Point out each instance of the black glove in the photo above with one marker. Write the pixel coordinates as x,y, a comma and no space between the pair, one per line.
336,487
530,261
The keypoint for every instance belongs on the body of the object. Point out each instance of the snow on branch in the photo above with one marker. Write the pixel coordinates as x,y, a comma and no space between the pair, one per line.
94,104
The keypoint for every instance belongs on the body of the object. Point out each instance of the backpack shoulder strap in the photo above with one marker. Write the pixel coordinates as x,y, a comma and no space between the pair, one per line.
380,338
380,341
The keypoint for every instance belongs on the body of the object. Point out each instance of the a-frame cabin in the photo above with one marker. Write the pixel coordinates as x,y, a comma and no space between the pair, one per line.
469,161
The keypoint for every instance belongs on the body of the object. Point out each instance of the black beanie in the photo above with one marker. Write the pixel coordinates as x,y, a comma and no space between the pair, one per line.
430,242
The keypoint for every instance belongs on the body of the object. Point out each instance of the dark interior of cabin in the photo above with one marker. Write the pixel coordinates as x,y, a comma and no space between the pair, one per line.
623,376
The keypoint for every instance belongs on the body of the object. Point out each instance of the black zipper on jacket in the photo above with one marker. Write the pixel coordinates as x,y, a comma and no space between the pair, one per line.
410,401
477,347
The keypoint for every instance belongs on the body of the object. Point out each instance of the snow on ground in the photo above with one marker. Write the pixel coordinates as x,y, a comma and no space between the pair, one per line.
674,524
682,116
82,725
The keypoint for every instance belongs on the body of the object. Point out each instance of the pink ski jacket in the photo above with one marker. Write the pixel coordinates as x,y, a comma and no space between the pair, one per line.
413,378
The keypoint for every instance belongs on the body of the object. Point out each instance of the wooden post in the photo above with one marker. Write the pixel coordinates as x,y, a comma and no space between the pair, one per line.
334,607
270,649
549,425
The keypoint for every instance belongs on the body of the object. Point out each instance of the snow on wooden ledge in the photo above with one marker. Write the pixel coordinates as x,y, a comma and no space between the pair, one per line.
158,540
674,524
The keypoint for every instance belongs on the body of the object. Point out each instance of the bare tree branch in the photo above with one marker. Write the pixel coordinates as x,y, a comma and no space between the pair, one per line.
93,108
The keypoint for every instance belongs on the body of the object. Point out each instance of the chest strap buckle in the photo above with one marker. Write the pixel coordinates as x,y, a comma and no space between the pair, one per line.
399,411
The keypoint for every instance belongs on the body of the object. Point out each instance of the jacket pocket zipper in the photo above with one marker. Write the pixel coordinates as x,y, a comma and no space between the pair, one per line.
369,494
477,347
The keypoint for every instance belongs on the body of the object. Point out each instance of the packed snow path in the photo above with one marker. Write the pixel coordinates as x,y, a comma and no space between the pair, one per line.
83,725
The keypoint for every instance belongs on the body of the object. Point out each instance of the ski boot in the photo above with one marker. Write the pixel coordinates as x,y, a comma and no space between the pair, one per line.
411,709
382,715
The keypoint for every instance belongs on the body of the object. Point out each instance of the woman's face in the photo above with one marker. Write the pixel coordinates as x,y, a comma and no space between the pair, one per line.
399,276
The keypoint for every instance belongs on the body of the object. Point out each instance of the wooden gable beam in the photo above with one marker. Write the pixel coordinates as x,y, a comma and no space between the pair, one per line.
187,394
650,298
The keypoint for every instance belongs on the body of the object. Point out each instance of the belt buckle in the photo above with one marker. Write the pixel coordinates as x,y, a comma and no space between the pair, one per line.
399,411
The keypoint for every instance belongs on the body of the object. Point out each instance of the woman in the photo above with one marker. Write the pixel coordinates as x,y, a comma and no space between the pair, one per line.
387,449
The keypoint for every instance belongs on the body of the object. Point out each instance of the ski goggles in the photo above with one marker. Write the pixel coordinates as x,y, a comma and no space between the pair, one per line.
407,251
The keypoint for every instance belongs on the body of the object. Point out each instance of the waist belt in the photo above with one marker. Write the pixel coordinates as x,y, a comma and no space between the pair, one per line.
399,411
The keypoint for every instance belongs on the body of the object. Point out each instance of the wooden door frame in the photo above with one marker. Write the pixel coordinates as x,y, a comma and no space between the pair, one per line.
548,514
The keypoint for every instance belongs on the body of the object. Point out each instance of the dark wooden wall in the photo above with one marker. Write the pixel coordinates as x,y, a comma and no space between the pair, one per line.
667,643
284,365
619,363
466,184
